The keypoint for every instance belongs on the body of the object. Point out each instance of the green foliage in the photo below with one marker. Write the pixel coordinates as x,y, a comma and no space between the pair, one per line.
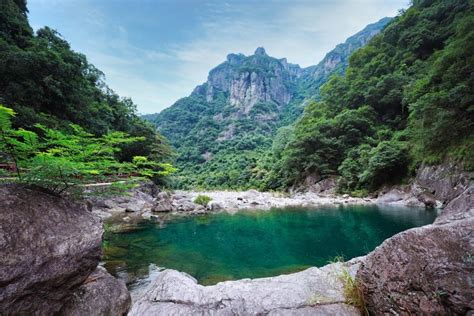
387,163
44,81
58,161
405,98
353,295
228,146
202,200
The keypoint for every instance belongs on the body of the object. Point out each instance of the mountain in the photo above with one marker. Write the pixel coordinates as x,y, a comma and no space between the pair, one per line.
223,131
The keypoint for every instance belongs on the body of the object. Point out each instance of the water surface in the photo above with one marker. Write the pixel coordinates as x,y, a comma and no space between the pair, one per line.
252,244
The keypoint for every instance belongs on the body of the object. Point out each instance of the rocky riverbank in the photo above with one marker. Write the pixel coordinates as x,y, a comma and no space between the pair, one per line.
146,201
429,189
425,270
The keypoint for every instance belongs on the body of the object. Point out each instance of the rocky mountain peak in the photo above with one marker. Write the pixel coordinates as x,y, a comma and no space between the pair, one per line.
260,51
247,80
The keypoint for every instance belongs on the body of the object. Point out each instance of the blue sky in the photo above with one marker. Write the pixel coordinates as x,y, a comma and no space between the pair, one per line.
157,51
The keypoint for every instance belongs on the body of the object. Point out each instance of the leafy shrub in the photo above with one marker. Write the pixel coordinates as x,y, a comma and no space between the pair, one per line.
387,164
202,200
58,161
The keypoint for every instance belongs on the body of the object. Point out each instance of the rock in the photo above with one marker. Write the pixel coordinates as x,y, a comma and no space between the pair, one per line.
163,196
101,214
164,205
445,181
427,199
345,196
186,206
49,245
100,294
135,206
391,196
461,208
149,188
311,292
325,187
214,206
427,270
107,204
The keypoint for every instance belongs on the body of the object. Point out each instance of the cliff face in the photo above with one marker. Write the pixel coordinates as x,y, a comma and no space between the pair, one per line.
247,81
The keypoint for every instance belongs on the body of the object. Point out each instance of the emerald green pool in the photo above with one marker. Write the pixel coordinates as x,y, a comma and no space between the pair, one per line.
252,244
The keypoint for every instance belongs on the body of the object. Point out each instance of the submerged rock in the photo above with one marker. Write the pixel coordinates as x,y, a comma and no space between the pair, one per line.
310,292
50,246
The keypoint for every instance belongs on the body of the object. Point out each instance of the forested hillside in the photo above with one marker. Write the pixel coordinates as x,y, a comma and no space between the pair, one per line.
61,127
406,98
224,130
44,81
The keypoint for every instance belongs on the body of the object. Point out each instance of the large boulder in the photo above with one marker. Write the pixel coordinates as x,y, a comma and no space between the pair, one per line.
310,292
50,246
427,270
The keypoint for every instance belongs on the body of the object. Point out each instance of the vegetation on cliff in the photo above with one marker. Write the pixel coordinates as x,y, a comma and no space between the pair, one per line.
406,98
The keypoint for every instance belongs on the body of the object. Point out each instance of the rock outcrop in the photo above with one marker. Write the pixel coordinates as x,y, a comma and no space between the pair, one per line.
310,292
427,270
250,80
50,246
433,187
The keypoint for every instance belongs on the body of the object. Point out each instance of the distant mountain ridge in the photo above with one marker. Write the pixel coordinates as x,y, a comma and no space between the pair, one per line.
242,104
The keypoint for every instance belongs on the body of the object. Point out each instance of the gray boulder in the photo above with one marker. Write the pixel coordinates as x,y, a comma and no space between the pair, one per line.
101,294
163,206
422,271
394,195
50,246
310,292
214,206
445,181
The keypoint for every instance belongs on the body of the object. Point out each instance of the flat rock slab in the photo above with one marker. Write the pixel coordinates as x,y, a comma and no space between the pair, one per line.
315,291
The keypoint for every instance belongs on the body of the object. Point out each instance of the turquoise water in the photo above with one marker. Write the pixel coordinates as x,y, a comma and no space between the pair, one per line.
252,244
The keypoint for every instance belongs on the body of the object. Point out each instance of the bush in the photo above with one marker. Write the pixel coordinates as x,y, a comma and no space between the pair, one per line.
61,162
387,164
202,200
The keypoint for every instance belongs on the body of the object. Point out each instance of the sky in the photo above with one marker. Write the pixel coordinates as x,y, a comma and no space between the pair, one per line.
157,51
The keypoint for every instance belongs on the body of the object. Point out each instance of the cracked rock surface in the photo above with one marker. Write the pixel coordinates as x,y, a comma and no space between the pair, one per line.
315,291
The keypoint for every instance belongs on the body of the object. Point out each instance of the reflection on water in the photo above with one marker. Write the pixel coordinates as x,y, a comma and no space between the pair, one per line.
253,244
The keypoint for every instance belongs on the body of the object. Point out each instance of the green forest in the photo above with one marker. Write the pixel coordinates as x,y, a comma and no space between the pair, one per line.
406,98
60,123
